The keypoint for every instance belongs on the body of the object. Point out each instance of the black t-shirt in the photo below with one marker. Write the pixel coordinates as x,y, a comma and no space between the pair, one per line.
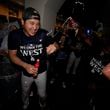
29,49
90,67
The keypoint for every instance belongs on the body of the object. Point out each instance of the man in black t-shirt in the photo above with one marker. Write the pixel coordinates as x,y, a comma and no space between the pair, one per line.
93,86
26,46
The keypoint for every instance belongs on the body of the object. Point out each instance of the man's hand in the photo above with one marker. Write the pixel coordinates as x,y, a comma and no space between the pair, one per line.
106,71
51,48
31,69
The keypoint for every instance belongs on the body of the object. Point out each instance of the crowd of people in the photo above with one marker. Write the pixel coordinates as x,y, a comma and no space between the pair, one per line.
72,56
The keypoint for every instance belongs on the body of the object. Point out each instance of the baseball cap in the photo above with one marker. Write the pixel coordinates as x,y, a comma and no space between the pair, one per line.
31,13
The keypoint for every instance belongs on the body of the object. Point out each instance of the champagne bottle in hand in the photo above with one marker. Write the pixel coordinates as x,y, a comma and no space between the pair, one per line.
36,65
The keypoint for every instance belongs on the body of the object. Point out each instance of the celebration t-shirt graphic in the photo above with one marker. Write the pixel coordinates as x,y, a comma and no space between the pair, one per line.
96,65
31,50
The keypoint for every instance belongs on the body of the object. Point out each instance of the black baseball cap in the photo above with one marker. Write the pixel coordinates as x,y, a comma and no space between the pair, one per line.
31,13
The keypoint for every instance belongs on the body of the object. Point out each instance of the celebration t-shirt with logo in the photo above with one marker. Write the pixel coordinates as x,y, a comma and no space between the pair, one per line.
29,49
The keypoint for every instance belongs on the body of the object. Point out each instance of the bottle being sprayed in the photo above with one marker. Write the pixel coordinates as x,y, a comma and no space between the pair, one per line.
36,65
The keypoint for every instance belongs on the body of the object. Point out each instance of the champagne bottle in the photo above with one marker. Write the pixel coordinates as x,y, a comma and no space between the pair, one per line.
36,65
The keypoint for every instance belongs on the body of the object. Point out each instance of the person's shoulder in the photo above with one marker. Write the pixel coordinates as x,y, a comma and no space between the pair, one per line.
17,31
41,30
16,34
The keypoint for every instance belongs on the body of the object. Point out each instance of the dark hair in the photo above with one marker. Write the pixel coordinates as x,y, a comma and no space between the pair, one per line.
31,13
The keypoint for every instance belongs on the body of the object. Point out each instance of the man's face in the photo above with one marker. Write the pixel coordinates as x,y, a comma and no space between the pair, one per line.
31,26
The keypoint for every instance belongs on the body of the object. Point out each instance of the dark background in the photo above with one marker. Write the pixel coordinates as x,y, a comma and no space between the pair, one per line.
87,12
